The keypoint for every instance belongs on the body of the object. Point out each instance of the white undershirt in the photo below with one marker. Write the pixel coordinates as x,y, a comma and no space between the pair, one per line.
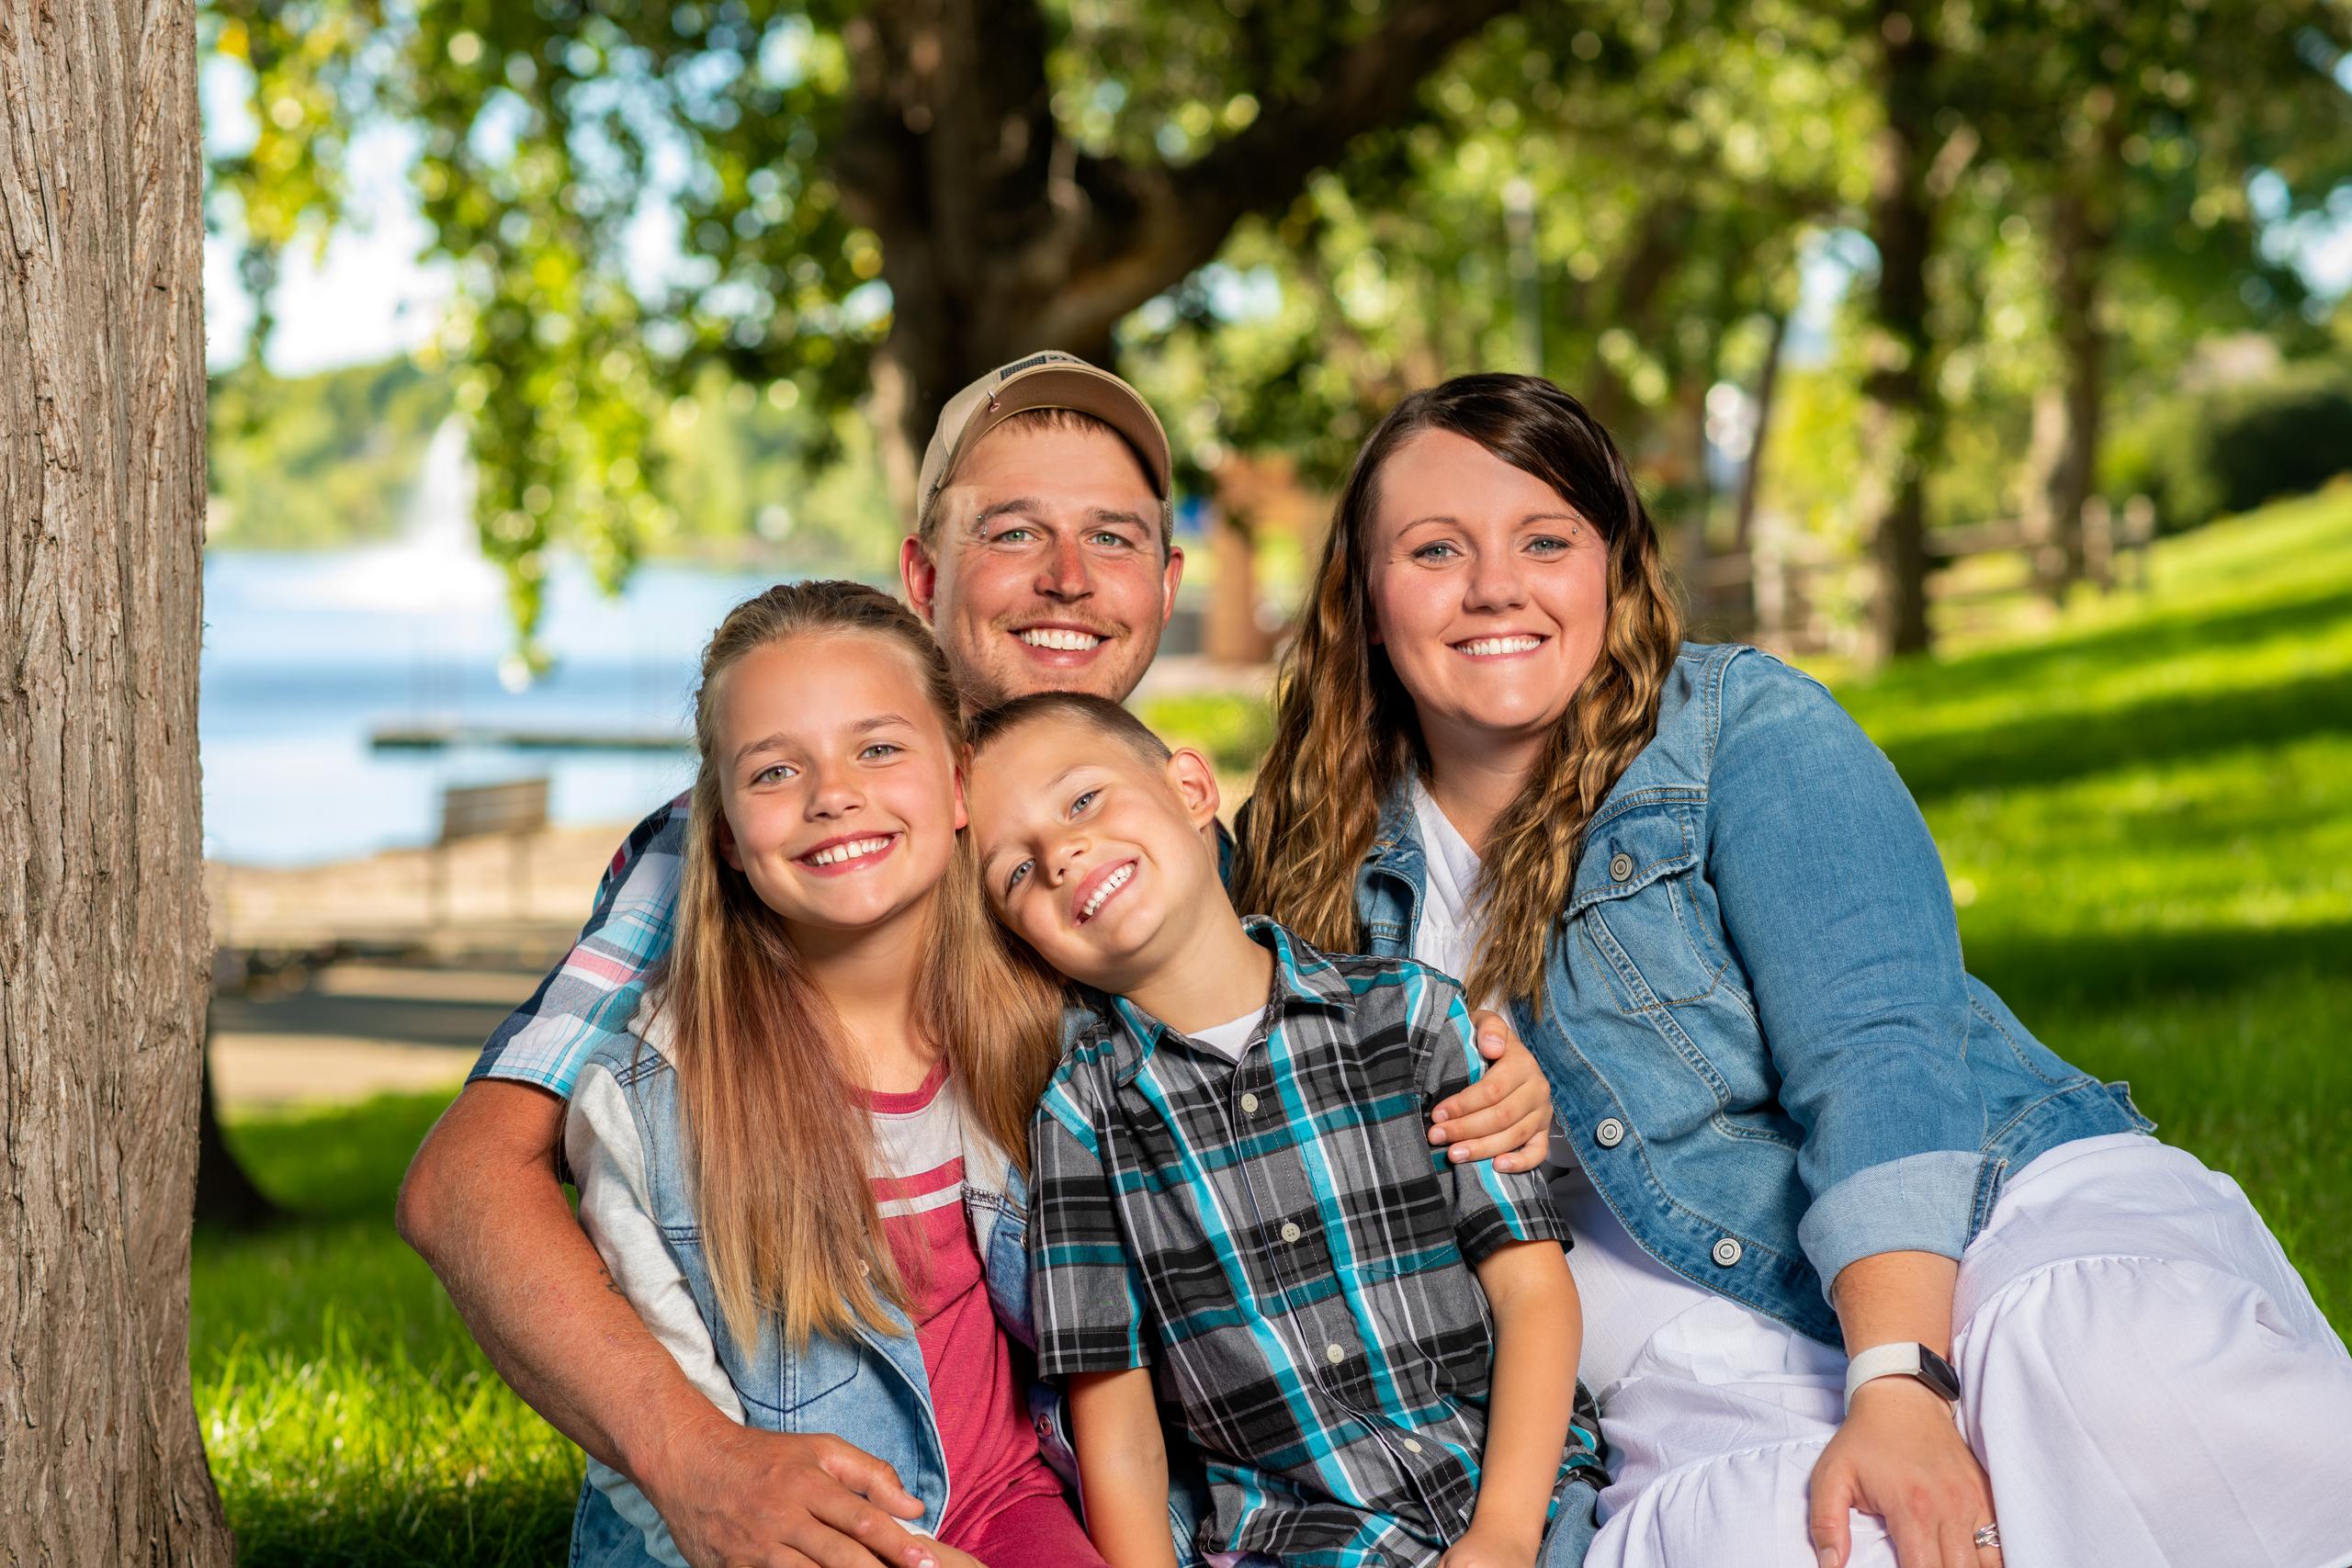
1229,1038
1627,1295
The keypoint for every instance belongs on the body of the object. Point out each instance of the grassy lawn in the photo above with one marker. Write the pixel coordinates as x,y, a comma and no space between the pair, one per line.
2147,814
349,1415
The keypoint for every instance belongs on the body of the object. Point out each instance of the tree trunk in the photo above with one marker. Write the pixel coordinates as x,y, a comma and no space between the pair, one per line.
2077,244
999,237
102,925
1904,423
1751,473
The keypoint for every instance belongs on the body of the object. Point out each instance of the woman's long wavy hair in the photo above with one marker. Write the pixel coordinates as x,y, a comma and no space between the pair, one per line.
768,1083
1345,732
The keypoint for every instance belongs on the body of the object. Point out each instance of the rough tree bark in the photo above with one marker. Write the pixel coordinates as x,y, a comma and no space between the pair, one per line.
999,236
102,927
1904,423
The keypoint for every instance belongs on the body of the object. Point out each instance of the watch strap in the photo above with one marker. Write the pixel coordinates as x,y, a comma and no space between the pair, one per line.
1903,1359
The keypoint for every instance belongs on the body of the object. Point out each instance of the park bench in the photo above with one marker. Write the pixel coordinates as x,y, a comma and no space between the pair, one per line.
514,810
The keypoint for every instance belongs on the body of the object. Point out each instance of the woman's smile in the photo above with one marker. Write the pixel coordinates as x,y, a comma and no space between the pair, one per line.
1507,645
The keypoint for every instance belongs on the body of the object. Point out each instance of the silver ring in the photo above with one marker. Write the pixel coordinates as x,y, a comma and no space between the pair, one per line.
1989,1535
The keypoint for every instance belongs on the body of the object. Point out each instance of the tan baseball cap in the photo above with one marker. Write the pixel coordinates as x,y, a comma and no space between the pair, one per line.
1047,380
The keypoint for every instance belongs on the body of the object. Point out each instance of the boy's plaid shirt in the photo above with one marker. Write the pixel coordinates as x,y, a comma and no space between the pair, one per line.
1279,1241
591,996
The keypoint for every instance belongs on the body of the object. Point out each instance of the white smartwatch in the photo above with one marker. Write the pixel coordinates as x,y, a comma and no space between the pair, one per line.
1905,1358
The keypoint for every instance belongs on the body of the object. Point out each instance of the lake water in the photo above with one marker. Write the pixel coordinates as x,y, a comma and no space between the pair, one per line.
306,654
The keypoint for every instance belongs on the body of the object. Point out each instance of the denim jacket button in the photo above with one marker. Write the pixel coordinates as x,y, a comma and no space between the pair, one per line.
1728,1252
1621,866
1610,1133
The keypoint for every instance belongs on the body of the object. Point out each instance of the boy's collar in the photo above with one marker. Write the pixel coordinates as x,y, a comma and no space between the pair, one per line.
1303,979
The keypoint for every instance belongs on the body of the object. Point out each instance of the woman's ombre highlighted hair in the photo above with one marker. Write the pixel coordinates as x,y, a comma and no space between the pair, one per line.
1345,733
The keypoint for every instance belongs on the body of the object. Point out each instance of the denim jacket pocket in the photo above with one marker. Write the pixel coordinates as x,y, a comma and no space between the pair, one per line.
773,1380
822,1373
1634,904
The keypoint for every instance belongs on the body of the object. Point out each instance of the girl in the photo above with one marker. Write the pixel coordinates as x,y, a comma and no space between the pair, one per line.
807,1171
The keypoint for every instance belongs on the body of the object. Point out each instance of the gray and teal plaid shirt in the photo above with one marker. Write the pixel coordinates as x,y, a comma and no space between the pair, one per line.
1279,1241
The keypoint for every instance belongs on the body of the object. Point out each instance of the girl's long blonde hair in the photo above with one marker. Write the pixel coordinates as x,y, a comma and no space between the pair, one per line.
780,1148
1345,733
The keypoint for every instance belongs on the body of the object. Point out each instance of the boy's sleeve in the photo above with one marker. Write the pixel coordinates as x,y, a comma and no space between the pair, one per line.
1491,1208
1084,1291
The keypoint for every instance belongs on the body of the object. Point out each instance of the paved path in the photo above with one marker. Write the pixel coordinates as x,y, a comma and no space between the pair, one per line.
355,1029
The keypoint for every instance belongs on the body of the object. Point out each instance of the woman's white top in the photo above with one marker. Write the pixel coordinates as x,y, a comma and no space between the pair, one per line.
1627,1295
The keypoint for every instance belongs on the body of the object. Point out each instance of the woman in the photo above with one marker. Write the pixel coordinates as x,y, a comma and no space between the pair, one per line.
1793,1127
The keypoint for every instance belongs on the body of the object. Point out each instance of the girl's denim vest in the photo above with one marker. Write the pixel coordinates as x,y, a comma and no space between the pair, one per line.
1760,1040
868,1389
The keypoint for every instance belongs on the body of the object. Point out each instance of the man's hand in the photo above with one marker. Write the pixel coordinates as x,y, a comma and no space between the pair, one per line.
1489,1549
1506,1116
737,1498
1900,1456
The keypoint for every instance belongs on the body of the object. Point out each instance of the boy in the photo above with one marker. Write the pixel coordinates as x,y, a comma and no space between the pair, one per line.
1237,1218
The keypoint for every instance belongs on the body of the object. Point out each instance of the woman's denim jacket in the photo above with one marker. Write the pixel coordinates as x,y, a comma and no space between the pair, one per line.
868,1389
1761,1041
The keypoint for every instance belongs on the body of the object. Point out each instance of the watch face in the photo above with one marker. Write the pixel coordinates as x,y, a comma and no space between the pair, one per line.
1938,1374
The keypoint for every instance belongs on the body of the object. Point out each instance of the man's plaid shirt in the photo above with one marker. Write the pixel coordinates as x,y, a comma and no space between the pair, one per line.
1279,1241
590,997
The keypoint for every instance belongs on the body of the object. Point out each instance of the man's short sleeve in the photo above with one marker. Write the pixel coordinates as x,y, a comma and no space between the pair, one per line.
1491,1208
589,998
1087,1300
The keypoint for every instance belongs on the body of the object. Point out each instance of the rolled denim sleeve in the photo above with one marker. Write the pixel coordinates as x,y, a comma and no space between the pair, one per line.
1834,896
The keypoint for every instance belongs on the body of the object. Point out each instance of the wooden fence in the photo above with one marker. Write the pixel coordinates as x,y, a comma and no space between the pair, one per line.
1794,592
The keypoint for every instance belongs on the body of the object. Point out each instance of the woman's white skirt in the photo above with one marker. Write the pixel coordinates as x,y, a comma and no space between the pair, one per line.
2144,1375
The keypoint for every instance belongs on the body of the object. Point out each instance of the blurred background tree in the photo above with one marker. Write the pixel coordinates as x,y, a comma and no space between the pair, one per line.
1947,241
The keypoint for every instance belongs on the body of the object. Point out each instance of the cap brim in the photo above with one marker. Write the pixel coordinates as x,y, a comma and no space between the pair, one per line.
1081,388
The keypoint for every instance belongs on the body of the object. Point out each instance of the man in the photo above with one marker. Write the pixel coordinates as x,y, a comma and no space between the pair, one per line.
1043,556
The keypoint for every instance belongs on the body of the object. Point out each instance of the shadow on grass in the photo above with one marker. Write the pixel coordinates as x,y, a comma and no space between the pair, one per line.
2136,969
2070,744
2129,642
499,1523
340,1162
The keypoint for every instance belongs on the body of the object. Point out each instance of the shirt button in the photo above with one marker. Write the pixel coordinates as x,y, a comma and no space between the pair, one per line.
1728,1252
1621,866
1249,1104
1412,1445
1290,1231
1610,1133
1334,1355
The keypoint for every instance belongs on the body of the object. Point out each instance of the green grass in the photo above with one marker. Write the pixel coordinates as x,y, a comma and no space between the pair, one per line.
349,1415
2147,814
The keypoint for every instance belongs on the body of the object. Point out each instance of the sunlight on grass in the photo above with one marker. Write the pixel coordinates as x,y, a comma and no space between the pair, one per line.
348,1417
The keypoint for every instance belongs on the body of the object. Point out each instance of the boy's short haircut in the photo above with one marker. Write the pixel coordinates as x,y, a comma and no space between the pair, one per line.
1101,714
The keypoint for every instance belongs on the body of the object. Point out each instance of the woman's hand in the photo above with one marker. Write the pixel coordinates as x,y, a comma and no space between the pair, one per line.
1506,1116
1900,1456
